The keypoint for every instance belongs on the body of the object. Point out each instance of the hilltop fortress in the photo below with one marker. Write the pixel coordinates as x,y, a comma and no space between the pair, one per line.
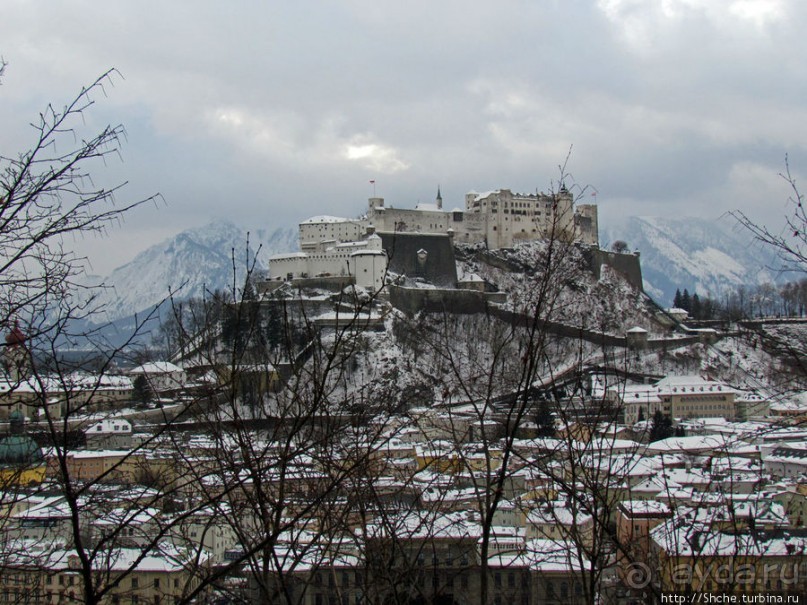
499,218
334,246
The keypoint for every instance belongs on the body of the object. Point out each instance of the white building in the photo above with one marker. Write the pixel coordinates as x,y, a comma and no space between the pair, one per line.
109,434
363,260
676,397
319,233
498,218
162,376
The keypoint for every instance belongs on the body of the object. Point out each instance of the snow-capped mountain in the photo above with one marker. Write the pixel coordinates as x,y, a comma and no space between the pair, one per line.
188,264
710,257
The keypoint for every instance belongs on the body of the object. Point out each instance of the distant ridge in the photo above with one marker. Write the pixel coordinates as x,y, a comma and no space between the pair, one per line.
187,264
710,257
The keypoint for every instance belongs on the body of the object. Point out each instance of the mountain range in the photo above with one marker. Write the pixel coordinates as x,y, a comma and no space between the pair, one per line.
710,257
707,257
195,261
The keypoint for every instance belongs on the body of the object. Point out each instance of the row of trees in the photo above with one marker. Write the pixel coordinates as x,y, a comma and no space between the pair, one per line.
747,302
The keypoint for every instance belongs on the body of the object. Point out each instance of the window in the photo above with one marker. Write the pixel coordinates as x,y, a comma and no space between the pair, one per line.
156,582
135,582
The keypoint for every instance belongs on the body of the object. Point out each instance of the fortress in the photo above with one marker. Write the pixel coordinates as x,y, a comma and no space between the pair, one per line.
499,218
334,246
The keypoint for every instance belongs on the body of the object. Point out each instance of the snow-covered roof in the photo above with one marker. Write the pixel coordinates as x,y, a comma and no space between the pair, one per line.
637,330
428,207
482,196
156,367
690,384
286,255
694,444
324,218
645,507
368,253
114,426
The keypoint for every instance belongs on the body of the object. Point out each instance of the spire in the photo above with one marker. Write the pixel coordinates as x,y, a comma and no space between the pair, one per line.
439,199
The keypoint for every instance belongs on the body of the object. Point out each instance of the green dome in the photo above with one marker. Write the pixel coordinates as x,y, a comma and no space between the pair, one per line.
20,449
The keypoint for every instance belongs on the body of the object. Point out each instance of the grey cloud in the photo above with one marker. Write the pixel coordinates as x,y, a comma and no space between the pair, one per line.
252,108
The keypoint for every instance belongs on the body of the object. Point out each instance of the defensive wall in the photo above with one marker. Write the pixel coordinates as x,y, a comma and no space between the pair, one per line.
429,256
627,264
438,300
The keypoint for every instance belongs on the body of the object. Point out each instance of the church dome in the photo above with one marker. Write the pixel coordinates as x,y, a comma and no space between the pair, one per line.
20,450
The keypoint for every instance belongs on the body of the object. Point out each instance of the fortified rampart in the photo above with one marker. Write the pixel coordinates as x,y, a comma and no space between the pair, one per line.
429,256
626,263
437,300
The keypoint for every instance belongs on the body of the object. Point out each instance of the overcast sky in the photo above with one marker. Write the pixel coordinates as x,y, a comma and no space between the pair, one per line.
269,112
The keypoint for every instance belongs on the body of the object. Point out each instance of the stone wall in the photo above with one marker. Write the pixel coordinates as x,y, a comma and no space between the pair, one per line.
626,263
405,253
438,300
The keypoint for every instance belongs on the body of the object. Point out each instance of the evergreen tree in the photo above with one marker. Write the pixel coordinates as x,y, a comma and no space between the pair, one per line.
696,307
141,390
677,299
545,420
661,427
686,303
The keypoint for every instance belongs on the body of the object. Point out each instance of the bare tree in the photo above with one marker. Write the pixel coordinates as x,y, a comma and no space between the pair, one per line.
790,244
47,196
96,540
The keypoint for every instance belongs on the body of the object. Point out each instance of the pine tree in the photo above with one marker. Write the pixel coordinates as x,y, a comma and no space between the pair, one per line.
686,303
696,307
661,427
141,390
677,299
545,420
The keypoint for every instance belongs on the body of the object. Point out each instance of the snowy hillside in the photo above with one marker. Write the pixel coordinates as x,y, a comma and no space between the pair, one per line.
707,257
188,264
